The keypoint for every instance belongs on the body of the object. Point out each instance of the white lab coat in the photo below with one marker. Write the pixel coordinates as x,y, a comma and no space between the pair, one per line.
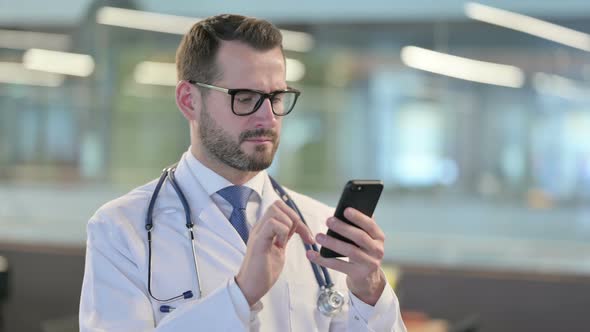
115,295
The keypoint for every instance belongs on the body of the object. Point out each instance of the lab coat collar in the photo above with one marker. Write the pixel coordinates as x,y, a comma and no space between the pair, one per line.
205,212
213,182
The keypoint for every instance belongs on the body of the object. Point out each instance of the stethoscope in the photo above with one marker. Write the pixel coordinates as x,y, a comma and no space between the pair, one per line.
330,301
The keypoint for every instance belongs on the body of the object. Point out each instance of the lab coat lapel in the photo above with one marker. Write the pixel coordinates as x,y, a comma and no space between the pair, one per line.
269,196
214,219
208,214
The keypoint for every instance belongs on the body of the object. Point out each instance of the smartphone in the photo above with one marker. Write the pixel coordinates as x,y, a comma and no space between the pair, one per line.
362,195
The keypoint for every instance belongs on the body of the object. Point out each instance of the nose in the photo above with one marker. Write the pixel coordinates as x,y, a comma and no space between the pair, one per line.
264,114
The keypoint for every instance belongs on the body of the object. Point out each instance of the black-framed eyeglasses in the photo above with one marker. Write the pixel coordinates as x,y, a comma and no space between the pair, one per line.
245,101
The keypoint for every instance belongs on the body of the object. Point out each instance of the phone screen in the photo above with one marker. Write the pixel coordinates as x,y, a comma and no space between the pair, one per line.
361,195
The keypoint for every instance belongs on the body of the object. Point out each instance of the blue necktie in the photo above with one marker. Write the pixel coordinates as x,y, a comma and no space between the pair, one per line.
238,196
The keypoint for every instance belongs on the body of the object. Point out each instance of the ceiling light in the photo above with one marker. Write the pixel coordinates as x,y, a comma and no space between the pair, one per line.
527,24
295,70
59,62
297,41
137,19
155,73
462,68
180,25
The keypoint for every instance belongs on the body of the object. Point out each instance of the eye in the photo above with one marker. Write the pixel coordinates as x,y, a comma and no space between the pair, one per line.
246,97
277,99
244,100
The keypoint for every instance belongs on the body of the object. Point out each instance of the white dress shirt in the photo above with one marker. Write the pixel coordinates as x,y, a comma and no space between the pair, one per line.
213,182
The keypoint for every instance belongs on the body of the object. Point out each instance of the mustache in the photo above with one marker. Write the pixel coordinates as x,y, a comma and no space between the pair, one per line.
259,133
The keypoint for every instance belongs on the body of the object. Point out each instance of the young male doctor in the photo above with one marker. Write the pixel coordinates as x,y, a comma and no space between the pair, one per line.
244,270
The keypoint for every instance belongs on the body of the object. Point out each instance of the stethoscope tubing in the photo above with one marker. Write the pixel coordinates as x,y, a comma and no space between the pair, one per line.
168,173
327,281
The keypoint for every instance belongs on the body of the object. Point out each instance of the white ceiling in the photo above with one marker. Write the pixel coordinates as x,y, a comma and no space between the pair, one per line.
68,12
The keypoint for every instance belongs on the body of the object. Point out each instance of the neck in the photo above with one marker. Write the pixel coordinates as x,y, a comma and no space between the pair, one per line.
231,174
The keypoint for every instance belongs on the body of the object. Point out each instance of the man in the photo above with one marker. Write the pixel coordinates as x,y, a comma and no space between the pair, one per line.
247,271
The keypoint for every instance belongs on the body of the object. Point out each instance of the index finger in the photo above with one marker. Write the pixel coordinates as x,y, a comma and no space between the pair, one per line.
299,226
365,223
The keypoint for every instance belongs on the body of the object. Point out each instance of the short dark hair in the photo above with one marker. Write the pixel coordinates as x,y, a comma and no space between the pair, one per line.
195,56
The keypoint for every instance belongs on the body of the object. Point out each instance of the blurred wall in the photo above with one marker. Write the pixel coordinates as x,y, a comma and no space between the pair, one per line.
479,129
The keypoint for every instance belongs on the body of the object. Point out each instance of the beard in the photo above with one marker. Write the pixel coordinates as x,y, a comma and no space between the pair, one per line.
225,149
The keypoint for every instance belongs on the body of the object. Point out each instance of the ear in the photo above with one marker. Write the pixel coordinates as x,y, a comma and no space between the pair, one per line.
188,100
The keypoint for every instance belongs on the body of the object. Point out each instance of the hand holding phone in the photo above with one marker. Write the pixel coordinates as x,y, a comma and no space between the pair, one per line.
361,195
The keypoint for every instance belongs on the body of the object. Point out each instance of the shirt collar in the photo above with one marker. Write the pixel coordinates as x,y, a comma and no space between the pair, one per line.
213,182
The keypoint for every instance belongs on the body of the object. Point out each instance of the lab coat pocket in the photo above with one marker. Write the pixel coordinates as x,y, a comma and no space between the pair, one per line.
161,309
305,315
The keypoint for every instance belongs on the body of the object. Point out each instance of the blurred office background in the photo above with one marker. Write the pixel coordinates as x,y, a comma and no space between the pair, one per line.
475,115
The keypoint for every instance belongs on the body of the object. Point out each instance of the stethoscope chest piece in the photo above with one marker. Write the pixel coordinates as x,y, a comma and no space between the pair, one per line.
330,302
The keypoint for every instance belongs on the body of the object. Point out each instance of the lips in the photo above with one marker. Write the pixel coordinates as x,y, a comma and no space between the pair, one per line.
259,139
260,135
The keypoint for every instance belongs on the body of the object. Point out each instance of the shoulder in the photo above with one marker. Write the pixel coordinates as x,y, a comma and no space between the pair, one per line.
127,211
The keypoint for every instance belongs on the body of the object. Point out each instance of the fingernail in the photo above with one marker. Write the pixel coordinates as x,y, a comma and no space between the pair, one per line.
311,237
311,254
349,212
320,238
